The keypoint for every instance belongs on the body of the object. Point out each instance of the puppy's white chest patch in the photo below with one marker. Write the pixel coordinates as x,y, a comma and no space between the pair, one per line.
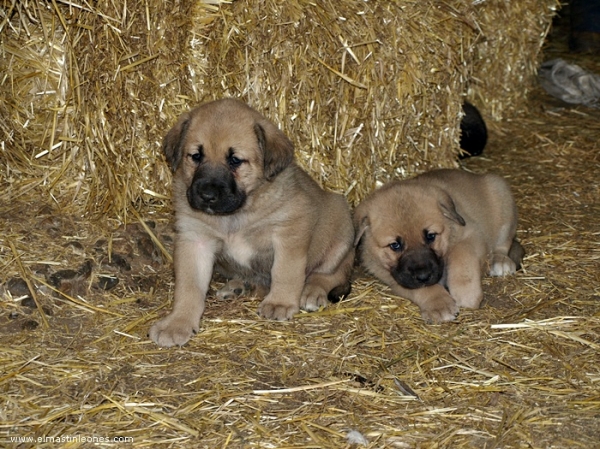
239,249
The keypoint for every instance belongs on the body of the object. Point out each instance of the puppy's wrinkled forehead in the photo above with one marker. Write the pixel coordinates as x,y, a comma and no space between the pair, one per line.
405,213
220,127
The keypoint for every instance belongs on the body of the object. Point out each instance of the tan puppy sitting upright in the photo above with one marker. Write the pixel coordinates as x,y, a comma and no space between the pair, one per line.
429,238
244,207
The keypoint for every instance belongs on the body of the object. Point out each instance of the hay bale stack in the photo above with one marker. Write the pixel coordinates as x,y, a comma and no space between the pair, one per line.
366,90
508,53
91,90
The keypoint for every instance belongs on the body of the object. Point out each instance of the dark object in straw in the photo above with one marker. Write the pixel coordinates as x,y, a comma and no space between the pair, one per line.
584,33
473,132
570,83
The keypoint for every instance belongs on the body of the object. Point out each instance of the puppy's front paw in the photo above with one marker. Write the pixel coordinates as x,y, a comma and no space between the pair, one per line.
440,309
274,309
173,330
502,265
313,297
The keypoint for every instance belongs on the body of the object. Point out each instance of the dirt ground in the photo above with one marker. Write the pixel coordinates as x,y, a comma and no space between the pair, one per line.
521,372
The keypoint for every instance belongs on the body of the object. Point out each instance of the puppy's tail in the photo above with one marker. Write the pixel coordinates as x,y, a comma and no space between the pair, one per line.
516,253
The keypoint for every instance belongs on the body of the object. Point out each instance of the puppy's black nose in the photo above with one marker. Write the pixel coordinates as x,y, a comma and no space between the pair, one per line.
208,192
214,191
422,273
418,269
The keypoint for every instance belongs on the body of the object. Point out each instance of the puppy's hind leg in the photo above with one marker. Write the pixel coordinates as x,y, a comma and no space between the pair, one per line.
507,256
237,287
504,264
323,287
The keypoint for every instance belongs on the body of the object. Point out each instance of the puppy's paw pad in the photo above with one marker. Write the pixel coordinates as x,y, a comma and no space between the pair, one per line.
502,265
313,297
172,331
277,311
234,289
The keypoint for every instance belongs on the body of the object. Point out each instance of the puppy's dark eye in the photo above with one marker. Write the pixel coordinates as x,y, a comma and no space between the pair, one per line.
197,157
396,246
234,161
429,236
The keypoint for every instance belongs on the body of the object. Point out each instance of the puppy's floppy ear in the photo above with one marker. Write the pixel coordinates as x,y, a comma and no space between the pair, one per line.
173,142
277,149
449,209
361,223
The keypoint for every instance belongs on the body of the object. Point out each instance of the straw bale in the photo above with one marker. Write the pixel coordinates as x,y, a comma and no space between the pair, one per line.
508,53
366,90
91,88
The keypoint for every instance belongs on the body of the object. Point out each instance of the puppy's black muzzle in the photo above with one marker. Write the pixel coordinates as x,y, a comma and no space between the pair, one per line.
419,268
214,190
